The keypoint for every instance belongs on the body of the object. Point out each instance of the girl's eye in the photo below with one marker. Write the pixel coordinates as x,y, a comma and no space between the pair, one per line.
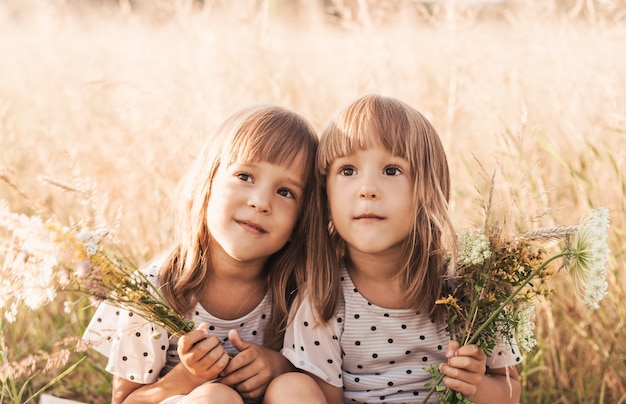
347,171
245,177
392,170
286,193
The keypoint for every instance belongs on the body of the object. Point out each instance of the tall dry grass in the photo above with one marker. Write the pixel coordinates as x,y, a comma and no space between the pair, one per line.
115,101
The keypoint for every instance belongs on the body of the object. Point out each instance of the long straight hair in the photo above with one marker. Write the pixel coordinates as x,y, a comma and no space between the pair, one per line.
378,121
269,134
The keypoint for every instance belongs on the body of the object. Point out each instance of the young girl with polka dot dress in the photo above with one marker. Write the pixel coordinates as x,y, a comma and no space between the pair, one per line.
367,329
232,269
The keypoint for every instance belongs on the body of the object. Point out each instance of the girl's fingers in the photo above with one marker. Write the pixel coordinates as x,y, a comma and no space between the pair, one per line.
461,386
210,365
469,357
455,349
217,365
465,368
211,356
187,341
467,363
207,347
473,351
453,346
469,372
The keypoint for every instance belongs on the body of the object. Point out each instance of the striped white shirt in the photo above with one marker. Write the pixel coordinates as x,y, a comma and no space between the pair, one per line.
376,354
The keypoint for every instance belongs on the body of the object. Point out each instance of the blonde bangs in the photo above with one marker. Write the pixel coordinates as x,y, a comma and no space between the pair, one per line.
371,121
273,135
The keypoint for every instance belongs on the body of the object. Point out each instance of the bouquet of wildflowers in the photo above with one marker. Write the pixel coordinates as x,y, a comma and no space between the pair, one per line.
41,258
499,275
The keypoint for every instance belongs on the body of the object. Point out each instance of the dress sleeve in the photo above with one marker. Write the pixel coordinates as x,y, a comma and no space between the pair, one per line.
135,347
315,348
505,353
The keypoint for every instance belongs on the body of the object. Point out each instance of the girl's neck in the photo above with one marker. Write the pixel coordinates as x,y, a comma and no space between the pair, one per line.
234,288
375,267
378,280
229,298
224,268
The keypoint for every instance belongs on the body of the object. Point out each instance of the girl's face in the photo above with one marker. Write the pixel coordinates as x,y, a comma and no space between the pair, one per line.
253,208
370,196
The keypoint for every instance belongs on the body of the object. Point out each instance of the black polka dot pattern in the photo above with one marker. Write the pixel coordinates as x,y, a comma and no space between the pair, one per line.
375,354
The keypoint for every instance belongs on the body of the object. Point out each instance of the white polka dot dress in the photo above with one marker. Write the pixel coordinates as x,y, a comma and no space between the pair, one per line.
141,351
377,355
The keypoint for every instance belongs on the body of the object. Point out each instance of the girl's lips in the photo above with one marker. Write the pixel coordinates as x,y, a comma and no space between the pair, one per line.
255,228
368,216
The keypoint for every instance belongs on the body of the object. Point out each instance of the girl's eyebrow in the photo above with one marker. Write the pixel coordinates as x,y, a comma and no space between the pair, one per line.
295,182
292,180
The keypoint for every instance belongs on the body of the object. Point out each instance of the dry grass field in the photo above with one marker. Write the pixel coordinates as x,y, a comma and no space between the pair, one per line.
113,99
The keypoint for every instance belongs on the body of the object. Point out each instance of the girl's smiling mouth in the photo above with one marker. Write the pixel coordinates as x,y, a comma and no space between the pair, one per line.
251,227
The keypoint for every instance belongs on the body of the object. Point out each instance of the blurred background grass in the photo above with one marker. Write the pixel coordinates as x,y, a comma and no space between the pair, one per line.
114,97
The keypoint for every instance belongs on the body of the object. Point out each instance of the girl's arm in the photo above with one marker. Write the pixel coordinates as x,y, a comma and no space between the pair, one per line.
177,381
496,385
202,359
122,388
334,395
465,373
253,368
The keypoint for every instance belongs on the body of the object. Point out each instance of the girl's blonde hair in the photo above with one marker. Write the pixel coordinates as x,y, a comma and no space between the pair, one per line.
378,121
262,133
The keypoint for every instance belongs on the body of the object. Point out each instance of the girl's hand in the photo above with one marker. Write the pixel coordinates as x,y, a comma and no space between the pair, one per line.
465,369
202,354
253,368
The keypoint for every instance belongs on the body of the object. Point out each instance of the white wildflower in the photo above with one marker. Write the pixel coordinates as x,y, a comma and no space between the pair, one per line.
525,328
28,258
11,314
91,240
83,268
589,254
473,247
595,291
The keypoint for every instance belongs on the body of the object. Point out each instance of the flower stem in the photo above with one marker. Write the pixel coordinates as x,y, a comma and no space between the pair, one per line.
496,313
508,300
436,383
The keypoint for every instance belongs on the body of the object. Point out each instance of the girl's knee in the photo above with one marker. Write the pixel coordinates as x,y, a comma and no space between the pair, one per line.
294,387
213,393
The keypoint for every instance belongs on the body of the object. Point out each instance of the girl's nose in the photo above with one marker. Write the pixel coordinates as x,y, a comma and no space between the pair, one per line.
259,203
368,195
368,191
